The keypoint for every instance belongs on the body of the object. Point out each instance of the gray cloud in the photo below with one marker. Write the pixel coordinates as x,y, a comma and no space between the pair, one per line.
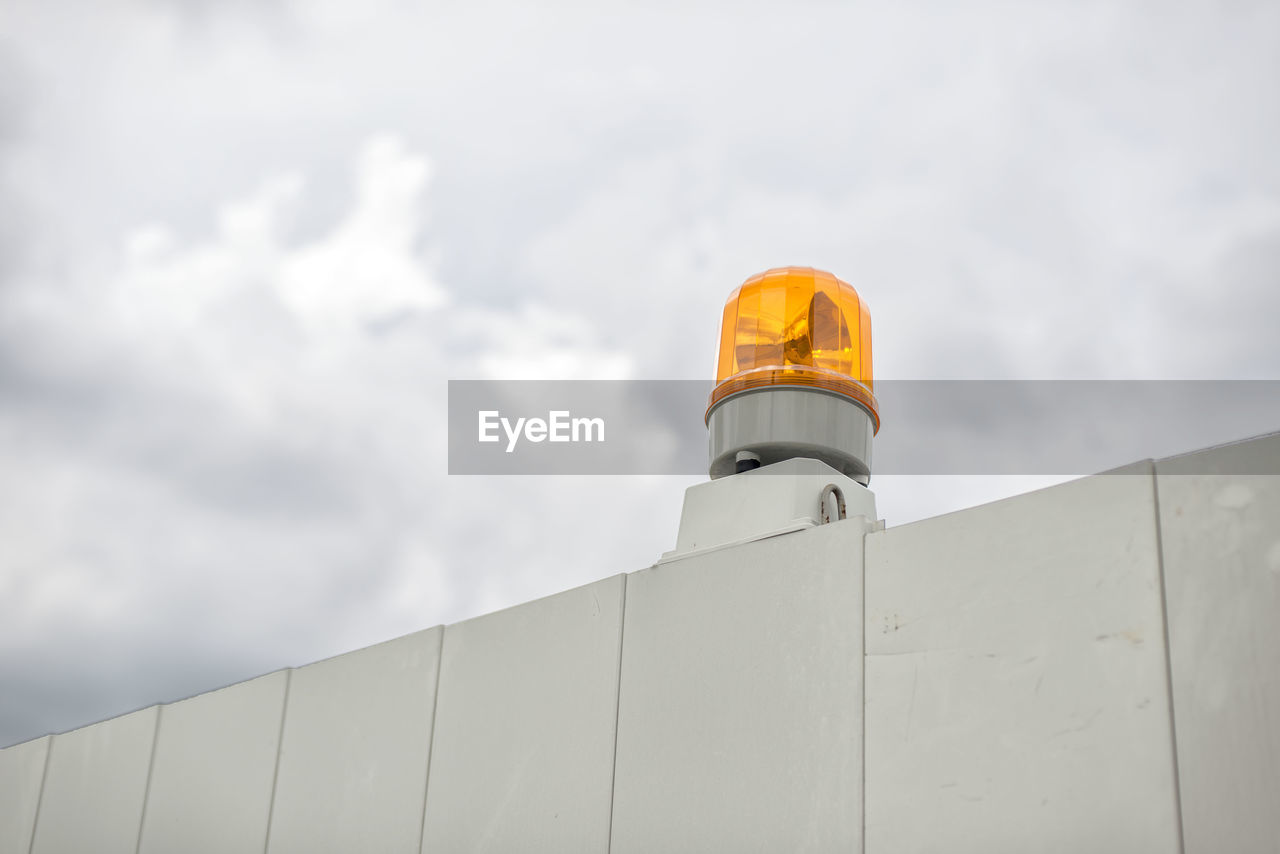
222,372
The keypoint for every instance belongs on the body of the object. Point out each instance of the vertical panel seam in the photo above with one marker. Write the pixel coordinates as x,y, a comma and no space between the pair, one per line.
617,712
431,740
146,787
1168,654
275,774
44,776
862,697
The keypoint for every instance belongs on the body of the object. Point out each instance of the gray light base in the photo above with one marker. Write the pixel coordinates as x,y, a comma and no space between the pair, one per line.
765,502
781,423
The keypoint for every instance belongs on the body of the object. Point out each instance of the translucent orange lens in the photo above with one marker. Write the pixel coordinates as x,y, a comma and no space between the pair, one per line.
796,326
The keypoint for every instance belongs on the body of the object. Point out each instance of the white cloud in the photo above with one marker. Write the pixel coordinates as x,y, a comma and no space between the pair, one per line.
537,343
366,270
249,431
224,428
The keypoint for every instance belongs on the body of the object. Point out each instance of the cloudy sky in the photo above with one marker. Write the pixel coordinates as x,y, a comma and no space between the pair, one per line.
243,247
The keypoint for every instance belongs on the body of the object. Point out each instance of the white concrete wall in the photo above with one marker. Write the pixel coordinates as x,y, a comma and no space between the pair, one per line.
740,717
1220,530
95,787
21,773
352,771
522,758
1011,677
214,769
1017,697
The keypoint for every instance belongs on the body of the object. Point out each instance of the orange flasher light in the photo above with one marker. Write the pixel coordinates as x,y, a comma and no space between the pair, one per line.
796,327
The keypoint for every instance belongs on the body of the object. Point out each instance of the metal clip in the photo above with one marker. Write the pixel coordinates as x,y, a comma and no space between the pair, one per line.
829,490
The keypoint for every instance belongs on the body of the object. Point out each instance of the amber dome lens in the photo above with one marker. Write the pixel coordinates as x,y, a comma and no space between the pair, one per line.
796,326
